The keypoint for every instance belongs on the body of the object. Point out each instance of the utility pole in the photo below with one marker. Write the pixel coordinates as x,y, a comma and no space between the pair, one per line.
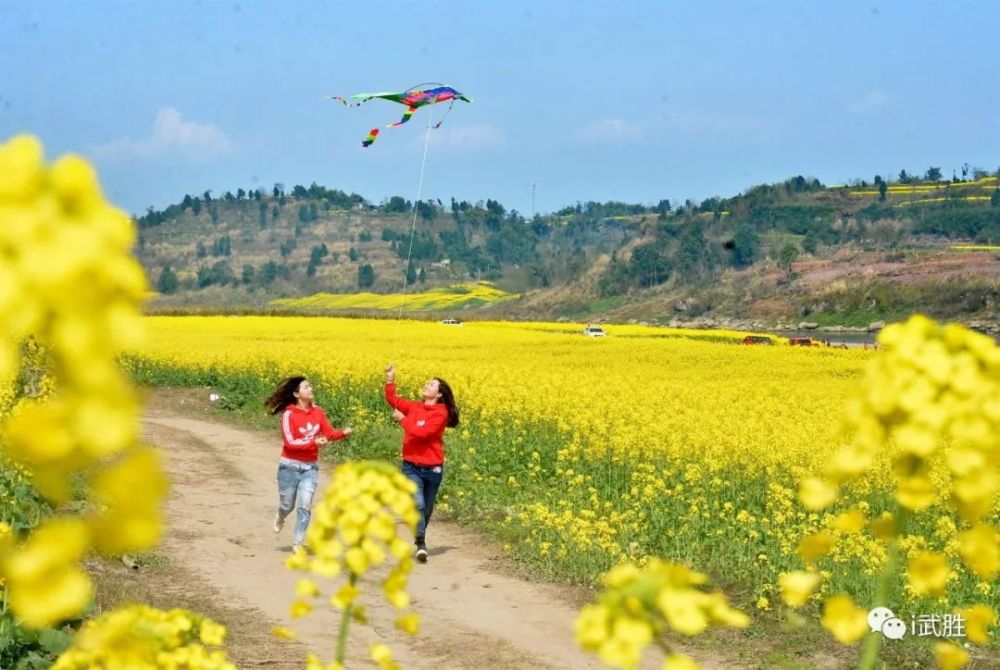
533,201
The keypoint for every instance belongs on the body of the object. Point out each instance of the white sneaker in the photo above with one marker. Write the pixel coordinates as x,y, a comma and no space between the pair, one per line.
279,523
422,554
297,548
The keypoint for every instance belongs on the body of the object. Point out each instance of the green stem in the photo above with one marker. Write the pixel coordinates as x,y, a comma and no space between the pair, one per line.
345,622
873,644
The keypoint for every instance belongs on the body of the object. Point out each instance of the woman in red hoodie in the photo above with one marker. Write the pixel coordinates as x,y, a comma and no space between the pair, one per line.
423,426
304,429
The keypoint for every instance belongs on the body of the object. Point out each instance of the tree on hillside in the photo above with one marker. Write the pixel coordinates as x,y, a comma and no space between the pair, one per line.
693,259
746,246
366,276
933,174
397,205
270,271
167,283
200,251
411,274
422,276
426,210
787,256
353,254
240,194
809,243
883,188
648,266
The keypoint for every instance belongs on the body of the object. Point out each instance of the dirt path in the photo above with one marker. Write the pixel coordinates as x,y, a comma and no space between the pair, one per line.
472,616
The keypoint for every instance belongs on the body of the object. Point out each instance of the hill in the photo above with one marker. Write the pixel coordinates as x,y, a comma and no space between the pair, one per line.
796,251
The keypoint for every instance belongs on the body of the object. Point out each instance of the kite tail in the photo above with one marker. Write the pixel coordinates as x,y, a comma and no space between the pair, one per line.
406,117
342,100
446,112
368,141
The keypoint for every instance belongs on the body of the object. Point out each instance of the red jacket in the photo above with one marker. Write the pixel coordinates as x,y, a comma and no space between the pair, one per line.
299,428
423,428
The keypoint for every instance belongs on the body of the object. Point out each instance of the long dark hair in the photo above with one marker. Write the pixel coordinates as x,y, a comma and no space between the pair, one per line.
284,395
448,400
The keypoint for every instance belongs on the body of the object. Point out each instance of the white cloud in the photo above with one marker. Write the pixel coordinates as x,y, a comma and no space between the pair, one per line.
170,134
611,131
873,102
474,137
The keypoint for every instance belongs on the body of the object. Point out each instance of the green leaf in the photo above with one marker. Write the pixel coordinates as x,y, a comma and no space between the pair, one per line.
53,641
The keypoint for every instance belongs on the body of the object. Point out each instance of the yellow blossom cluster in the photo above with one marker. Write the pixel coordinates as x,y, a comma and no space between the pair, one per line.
143,638
67,281
639,605
930,404
69,303
353,533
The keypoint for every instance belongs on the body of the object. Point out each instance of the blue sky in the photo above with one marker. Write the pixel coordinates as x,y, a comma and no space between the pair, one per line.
632,101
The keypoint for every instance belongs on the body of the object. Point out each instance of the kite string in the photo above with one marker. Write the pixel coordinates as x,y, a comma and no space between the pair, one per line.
413,228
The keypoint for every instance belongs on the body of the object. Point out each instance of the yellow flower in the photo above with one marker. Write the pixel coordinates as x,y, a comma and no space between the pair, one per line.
796,587
45,585
846,621
284,633
978,621
927,573
816,546
979,547
950,656
850,521
409,623
131,491
300,608
306,588
916,493
345,596
592,626
680,607
382,655
212,633
817,494
679,662
628,638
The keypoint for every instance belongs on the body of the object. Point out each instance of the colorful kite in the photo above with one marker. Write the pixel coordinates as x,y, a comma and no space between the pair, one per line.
414,98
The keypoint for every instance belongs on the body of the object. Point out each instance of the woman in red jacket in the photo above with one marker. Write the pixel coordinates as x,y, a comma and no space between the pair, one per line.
304,429
423,426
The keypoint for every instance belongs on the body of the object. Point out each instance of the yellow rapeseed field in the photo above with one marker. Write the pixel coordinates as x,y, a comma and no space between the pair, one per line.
581,452
450,297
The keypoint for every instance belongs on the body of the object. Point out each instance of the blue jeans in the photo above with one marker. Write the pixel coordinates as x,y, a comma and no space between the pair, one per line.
297,481
428,481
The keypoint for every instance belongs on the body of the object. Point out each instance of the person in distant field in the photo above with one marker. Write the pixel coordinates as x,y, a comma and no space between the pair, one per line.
423,425
304,429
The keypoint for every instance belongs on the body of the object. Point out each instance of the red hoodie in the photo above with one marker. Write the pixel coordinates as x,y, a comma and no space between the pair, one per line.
423,428
299,428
